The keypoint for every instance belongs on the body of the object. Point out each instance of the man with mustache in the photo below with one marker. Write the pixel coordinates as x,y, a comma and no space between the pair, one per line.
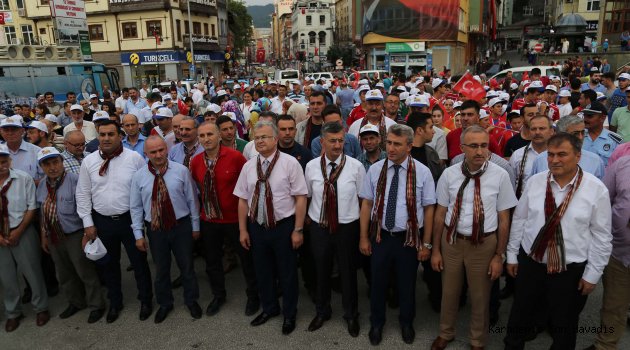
374,116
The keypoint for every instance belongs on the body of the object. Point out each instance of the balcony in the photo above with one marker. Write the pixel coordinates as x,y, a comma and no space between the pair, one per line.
208,7
117,6
202,42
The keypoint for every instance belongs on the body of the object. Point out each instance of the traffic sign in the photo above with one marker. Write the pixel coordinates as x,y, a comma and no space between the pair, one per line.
192,69
538,47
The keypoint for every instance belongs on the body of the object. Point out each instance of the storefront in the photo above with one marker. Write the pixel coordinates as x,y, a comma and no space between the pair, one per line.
400,58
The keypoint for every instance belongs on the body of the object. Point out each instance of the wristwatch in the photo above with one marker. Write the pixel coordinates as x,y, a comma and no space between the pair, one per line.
300,229
429,246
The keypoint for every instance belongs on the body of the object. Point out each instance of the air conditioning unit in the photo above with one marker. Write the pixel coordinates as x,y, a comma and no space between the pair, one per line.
27,52
13,51
21,12
45,53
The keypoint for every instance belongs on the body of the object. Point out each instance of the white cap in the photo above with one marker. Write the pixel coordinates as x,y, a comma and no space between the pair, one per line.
156,105
419,101
36,124
483,114
535,85
551,88
600,95
514,86
457,104
155,90
414,91
309,79
363,82
164,113
594,69
381,85
296,82
555,77
11,122
76,108
245,86
47,152
236,86
95,249
477,78
273,82
221,93
403,95
4,150
51,117
167,97
564,93
93,96
409,84
437,82
232,115
100,115
369,128
494,101
363,88
492,94
214,108
374,95
624,76
401,88
504,96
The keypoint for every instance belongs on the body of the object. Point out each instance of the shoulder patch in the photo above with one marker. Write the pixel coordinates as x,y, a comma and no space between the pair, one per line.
615,137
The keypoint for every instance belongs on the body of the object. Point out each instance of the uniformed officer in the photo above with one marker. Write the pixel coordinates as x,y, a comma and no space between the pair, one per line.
599,140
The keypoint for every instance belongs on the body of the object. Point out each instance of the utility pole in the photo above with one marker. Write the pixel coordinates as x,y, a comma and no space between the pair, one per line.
193,74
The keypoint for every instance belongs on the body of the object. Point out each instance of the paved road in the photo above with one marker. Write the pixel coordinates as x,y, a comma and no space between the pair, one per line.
230,329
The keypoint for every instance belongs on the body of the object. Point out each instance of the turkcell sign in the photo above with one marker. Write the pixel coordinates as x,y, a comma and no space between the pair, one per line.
169,57
150,57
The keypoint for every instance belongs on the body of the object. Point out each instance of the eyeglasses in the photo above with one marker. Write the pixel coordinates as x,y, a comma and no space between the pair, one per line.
335,140
476,146
262,138
77,145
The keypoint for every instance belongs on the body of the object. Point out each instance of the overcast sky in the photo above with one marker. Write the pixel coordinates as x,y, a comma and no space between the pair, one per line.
257,2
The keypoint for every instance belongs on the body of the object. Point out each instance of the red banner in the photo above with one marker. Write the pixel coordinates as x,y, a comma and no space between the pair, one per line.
470,87
2,18
260,55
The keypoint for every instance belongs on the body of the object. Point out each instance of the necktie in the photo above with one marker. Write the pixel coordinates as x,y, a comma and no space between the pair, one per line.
390,213
262,212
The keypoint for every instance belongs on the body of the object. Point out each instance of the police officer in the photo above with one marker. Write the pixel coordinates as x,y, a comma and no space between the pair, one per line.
599,140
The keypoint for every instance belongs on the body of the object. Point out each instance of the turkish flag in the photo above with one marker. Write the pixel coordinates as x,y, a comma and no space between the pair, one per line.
470,88
2,18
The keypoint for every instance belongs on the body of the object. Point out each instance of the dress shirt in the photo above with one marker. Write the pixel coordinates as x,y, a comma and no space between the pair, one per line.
589,161
286,181
496,159
598,88
351,146
71,163
349,184
249,151
425,191
108,195
21,196
66,202
64,119
366,163
356,126
181,191
621,150
565,109
88,129
604,145
138,147
438,143
276,104
517,158
585,224
497,194
169,137
130,105
25,159
120,102
177,153
617,180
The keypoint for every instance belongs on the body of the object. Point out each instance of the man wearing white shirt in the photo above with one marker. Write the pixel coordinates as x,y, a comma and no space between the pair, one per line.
374,116
121,101
560,242
564,103
103,203
334,181
276,102
86,127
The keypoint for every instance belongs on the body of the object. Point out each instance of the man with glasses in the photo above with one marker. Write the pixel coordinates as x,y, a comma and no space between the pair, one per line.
184,151
86,127
392,107
469,117
74,143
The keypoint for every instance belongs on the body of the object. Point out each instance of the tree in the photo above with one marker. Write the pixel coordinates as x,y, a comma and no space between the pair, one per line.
336,52
240,24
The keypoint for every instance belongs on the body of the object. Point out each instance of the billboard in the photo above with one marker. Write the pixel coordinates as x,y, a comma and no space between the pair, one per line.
283,7
69,19
411,19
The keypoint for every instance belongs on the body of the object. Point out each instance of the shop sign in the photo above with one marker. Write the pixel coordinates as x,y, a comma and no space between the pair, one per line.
417,46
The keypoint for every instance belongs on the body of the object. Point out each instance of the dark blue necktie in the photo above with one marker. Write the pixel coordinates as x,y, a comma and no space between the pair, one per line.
390,213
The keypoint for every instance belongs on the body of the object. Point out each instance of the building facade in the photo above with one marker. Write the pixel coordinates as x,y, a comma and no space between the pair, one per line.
311,33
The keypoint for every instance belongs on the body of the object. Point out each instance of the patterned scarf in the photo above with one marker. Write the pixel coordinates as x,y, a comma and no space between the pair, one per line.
4,210
381,129
478,212
328,217
188,153
162,212
307,133
264,179
107,157
50,223
411,238
209,198
521,174
549,238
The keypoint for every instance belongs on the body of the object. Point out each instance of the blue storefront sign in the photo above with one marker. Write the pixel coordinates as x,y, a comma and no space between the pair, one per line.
156,57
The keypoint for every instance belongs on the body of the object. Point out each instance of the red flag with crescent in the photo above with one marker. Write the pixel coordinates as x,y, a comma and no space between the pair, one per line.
260,55
470,87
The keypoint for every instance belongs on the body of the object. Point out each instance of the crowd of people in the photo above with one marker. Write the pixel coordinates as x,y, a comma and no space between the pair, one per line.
528,183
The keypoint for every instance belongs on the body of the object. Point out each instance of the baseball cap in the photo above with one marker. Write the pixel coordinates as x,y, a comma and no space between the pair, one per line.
237,86
600,96
232,115
156,105
156,90
369,128
246,86
100,115
381,85
76,108
4,150
401,88
419,101
164,113
594,70
494,101
95,250
564,93
36,124
51,117
374,95
363,88
535,85
363,82
93,96
483,114
437,82
221,93
11,122
624,76
492,94
167,97
514,86
554,78
457,104
273,82
595,108
47,152
551,88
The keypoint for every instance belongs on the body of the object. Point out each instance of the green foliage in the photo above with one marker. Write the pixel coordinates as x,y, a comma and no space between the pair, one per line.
241,25
336,52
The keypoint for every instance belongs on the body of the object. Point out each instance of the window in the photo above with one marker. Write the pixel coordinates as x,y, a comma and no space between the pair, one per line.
27,34
20,4
187,28
528,11
44,2
592,5
129,30
322,20
214,32
4,5
196,28
178,27
309,20
154,28
10,34
42,31
311,38
96,32
205,29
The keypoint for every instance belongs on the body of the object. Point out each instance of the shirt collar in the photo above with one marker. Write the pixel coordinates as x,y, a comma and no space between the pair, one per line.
270,158
553,180
403,164
336,161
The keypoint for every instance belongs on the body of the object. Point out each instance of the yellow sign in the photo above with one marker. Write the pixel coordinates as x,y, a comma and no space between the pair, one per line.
134,58
189,57
227,55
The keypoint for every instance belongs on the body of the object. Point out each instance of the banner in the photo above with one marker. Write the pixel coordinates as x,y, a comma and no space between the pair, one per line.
470,87
412,19
70,19
260,55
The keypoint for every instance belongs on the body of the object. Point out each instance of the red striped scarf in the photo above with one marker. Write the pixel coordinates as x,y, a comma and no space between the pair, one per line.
50,223
4,209
411,238
329,216
108,157
188,153
478,212
549,238
264,179
381,129
162,212
209,197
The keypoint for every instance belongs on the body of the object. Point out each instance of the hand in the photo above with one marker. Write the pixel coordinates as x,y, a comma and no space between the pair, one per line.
365,246
45,244
244,239
297,238
495,268
436,261
424,254
14,237
586,287
196,235
90,232
512,269
141,244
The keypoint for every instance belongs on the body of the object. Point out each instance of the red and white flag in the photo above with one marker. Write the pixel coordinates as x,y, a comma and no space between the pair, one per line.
470,87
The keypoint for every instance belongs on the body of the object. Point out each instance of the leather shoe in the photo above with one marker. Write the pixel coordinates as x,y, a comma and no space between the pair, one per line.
440,343
146,309
13,323
375,335
288,326
195,310
263,318
112,314
353,327
42,318
252,306
96,315
317,323
162,312
69,312
408,334
215,306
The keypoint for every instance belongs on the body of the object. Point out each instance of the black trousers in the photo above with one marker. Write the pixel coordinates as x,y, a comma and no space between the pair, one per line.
433,280
179,241
564,303
306,262
213,236
341,245
273,247
114,231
